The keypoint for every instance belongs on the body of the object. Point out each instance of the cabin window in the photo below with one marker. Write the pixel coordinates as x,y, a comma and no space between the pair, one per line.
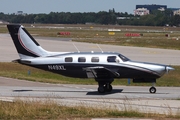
81,59
68,59
95,59
111,59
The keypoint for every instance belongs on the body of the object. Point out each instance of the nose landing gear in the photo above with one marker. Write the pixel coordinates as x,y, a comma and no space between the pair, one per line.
152,90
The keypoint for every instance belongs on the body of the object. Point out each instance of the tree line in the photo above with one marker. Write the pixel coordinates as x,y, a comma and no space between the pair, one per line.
156,18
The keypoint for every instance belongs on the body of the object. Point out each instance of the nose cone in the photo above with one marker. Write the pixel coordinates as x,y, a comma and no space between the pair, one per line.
168,68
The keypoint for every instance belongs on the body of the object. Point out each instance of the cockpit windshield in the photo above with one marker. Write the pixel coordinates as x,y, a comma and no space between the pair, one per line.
124,59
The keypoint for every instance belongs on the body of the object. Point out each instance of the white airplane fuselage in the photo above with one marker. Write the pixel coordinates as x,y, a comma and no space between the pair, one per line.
75,68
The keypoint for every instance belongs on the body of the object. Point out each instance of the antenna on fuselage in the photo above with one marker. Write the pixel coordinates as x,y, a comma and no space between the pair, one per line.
99,48
76,47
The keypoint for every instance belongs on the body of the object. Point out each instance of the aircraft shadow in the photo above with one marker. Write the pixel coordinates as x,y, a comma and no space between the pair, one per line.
45,91
142,93
114,91
22,90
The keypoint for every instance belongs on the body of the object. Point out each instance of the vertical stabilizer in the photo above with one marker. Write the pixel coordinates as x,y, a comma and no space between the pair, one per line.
26,45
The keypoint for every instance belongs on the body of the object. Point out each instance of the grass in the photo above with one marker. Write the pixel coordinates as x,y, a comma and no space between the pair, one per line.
15,70
50,110
152,36
153,40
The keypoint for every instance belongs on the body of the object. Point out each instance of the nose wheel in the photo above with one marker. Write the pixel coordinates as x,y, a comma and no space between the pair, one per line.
152,90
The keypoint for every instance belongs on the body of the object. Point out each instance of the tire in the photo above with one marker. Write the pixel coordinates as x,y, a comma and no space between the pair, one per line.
101,90
108,88
152,90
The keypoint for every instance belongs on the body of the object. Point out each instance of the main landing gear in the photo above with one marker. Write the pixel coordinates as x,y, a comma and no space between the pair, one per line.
105,88
104,84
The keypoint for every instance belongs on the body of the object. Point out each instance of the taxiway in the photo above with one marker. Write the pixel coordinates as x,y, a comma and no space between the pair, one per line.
165,101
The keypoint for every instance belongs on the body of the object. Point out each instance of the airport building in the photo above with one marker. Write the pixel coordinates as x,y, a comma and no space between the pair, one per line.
141,11
152,7
176,12
19,13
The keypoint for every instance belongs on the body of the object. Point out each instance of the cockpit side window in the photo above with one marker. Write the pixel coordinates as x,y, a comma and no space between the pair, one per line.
124,59
68,59
111,58
81,59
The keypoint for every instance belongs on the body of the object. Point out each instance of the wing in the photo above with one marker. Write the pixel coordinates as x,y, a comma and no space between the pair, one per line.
101,72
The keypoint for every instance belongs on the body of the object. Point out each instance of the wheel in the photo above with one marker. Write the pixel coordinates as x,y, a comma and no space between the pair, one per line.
101,90
108,88
152,90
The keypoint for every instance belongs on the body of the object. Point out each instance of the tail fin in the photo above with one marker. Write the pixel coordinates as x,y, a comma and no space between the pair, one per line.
26,45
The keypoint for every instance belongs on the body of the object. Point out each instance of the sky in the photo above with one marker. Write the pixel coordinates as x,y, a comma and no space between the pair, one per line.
47,6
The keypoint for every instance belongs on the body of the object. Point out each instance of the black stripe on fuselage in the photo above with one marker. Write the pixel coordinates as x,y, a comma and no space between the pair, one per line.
77,70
